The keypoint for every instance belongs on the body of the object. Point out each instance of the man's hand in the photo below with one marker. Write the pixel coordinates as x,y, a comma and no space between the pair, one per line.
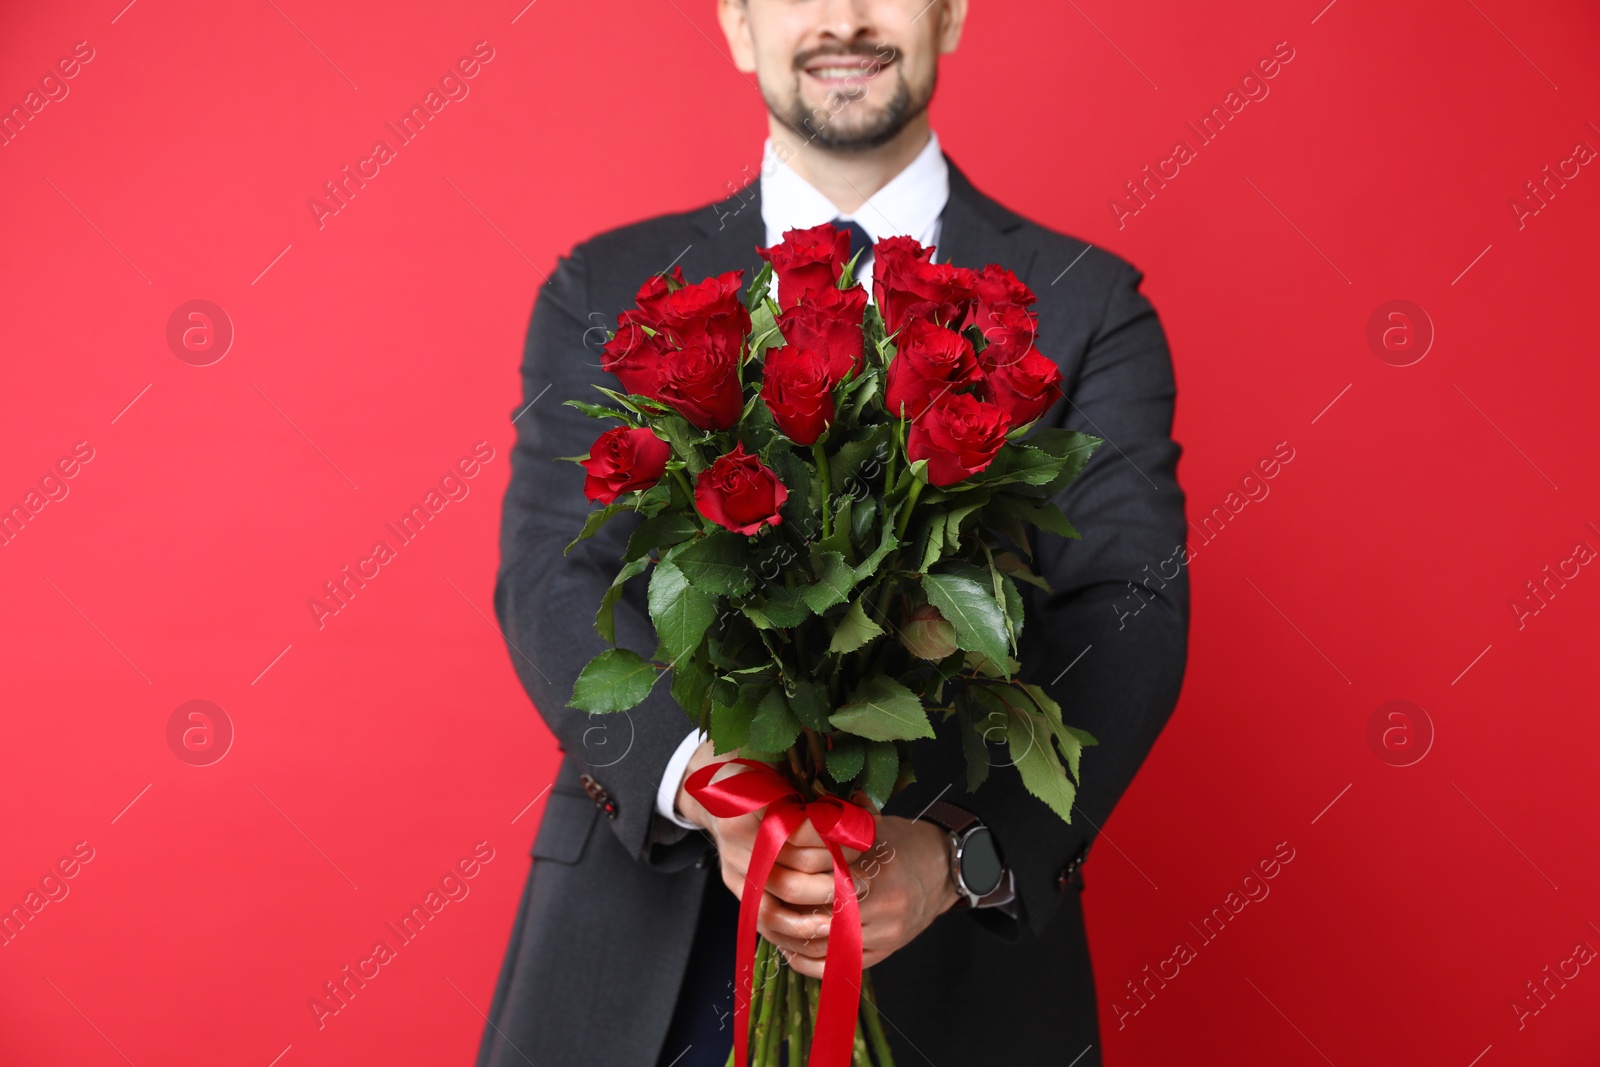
903,881
903,884
798,860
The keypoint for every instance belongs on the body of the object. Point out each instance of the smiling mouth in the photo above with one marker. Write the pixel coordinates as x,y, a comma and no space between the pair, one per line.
846,72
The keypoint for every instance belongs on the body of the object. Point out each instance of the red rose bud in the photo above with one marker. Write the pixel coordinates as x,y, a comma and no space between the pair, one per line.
1024,389
807,261
958,435
1009,331
634,357
799,392
929,360
927,634
740,493
702,382
623,460
829,321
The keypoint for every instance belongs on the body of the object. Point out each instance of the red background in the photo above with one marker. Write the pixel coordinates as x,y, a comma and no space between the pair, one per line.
373,352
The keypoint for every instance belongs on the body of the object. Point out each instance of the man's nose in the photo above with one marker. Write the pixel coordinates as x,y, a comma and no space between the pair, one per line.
845,20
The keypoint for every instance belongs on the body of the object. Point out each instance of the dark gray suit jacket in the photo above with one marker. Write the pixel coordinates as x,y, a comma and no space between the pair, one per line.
598,951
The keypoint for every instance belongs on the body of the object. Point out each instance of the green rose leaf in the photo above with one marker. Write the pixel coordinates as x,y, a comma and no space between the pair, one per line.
774,727
881,709
596,519
661,531
887,544
1045,516
600,411
883,770
972,743
605,619
973,611
691,686
846,758
1028,736
855,630
676,431
718,563
834,582
809,702
681,613
730,723
615,680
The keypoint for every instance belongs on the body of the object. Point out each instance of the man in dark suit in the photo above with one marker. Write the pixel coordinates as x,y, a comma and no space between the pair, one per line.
622,951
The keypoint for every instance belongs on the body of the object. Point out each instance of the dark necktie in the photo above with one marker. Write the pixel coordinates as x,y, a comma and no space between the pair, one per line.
859,239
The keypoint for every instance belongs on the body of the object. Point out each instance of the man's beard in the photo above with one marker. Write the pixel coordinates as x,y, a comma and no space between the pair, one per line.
818,127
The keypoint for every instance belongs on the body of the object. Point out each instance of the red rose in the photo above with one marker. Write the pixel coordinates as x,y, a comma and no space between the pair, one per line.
1010,331
701,380
798,390
958,435
807,260
1025,388
907,285
929,360
740,493
634,357
676,310
709,312
713,298
622,460
654,292
995,287
828,321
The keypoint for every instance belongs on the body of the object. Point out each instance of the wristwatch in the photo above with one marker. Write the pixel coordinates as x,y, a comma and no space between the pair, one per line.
976,869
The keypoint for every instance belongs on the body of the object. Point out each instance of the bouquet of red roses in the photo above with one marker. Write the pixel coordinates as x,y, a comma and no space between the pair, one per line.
837,500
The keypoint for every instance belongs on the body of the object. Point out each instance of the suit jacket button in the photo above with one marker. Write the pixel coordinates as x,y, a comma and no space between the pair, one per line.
598,794
1070,875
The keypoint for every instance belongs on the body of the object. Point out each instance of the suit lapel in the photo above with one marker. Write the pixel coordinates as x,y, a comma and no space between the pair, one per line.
726,235
977,231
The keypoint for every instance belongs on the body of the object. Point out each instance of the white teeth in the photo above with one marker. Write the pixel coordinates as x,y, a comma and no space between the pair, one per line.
839,73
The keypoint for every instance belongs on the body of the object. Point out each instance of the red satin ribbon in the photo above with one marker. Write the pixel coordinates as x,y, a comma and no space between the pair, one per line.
839,823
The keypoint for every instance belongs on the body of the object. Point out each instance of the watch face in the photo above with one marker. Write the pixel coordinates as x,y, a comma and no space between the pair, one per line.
980,863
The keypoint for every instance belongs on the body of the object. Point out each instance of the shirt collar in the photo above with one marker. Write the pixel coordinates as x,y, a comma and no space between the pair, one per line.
909,205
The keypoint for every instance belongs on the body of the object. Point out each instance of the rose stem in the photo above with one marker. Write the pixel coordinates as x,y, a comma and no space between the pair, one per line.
800,776
769,994
814,744
813,994
683,483
880,1042
775,1000
821,455
757,990
796,1004
910,505
859,1057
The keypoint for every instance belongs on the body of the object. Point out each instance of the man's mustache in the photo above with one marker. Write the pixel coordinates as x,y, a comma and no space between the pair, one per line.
870,53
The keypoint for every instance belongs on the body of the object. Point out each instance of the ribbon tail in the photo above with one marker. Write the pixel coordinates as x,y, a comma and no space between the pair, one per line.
779,822
841,973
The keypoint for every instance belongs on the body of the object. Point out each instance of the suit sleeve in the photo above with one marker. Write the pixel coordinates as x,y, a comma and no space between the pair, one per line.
546,600
1110,642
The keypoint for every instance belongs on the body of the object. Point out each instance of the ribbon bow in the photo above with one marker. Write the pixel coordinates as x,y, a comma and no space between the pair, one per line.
839,823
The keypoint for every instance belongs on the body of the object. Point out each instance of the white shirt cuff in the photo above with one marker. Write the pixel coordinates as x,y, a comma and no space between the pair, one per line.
672,778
